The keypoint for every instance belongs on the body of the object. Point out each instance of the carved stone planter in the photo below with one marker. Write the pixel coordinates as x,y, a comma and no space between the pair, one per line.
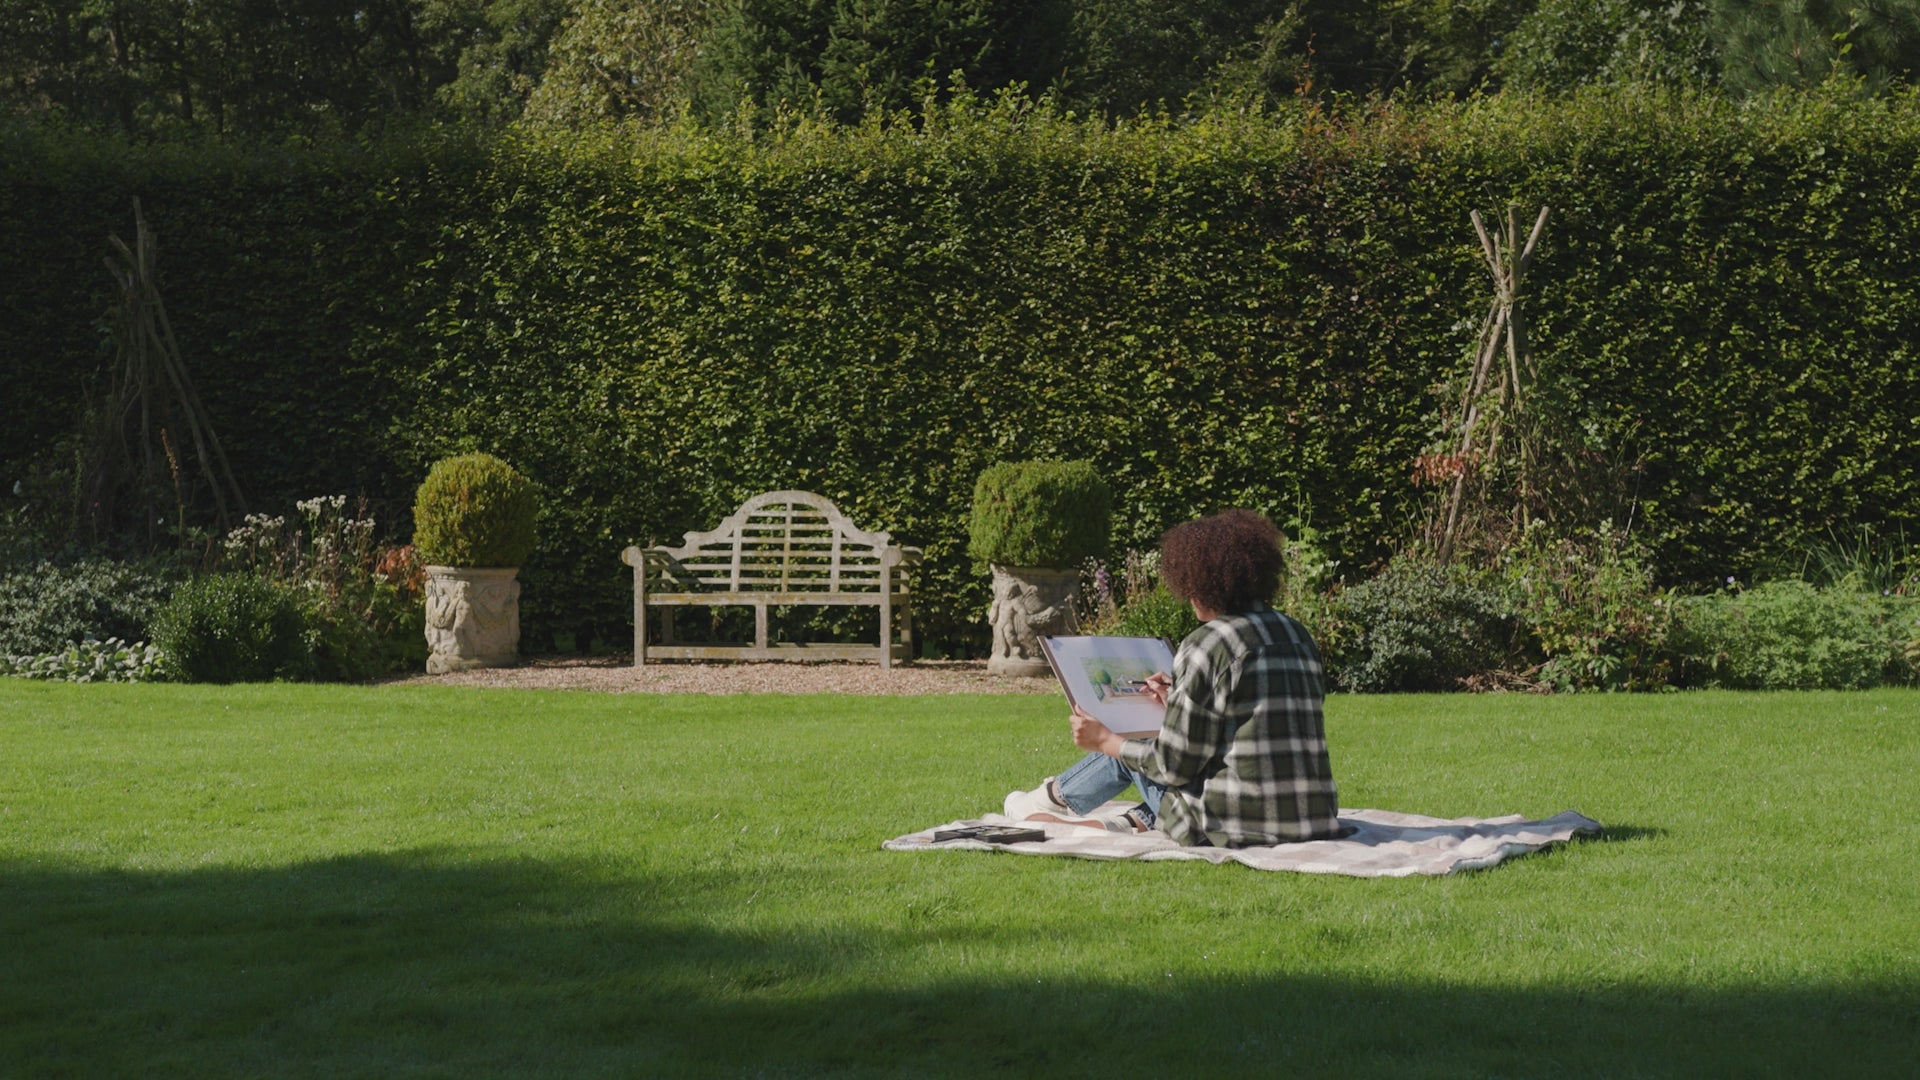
1028,603
473,618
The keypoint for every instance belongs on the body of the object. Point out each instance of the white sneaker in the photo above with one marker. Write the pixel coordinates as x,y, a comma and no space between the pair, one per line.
1028,805
1020,805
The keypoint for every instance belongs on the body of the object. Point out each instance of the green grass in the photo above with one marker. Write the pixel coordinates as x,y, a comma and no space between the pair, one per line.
396,881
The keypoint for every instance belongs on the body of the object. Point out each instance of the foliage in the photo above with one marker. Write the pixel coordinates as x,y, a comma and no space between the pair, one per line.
1123,56
90,660
1591,609
308,69
1240,310
46,607
1155,612
305,68
360,601
474,510
231,627
860,57
1311,582
1564,44
1039,513
1864,560
1765,45
1416,626
1790,635
503,52
616,59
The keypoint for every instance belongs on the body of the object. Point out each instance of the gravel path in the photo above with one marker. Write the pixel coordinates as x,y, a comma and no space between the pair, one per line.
615,674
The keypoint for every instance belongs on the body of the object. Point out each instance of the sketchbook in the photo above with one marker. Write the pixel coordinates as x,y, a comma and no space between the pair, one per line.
1104,676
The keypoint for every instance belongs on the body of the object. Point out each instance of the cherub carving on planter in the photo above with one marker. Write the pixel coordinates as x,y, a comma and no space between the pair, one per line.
1024,611
473,618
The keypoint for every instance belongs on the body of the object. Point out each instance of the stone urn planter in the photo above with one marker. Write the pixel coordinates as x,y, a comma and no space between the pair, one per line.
1029,602
473,618
1034,524
473,524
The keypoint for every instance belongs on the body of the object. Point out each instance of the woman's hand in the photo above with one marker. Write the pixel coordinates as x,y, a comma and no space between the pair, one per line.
1091,734
1155,687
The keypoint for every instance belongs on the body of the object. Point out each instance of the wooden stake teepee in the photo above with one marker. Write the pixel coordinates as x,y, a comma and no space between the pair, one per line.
1495,392
151,402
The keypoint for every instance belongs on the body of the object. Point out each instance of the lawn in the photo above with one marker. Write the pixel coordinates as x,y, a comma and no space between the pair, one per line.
401,881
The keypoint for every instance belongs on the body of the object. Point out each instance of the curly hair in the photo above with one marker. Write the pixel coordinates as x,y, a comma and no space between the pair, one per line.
1228,562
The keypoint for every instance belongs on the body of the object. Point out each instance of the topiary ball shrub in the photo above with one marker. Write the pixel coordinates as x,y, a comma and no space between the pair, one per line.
1417,626
474,510
1040,513
232,628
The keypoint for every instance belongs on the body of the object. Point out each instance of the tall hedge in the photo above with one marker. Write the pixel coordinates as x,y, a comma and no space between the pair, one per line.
1236,311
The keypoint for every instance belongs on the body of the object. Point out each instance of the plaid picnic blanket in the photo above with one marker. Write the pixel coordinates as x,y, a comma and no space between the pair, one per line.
1381,843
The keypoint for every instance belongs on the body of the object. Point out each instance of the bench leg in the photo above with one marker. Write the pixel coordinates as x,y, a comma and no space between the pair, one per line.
760,627
886,633
639,620
906,633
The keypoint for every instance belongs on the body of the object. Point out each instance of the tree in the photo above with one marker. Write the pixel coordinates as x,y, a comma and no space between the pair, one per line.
498,50
851,56
157,68
1763,44
620,58
1568,43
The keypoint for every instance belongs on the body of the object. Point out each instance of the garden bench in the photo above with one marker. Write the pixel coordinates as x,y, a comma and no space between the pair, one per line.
783,548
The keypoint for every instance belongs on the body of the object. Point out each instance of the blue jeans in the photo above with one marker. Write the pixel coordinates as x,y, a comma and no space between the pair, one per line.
1096,778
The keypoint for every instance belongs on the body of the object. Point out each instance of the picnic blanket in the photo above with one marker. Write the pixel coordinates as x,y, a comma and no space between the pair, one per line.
1381,844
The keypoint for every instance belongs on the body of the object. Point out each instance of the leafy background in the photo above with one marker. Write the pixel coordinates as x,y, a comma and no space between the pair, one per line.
1245,309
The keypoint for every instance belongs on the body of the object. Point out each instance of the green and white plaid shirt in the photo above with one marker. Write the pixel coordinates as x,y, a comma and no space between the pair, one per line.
1243,753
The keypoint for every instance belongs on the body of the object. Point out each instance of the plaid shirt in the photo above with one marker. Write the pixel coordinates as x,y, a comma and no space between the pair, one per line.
1243,753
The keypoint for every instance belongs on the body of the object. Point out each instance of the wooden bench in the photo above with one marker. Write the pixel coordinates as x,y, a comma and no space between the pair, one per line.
779,549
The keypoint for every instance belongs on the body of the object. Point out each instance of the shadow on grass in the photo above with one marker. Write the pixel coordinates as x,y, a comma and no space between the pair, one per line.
437,963
1616,834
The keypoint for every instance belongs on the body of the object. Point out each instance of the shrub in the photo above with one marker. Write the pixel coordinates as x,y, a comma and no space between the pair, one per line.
474,510
1787,635
232,628
1590,608
360,602
47,607
1155,612
1039,513
90,660
1310,583
1417,626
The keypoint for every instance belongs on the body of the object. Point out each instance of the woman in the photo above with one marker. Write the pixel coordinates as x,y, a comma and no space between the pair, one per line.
1241,760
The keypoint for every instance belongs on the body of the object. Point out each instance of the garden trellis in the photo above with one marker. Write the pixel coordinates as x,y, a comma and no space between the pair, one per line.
151,399
1496,392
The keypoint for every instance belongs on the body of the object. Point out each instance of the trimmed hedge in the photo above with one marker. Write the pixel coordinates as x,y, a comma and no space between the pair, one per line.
1240,311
